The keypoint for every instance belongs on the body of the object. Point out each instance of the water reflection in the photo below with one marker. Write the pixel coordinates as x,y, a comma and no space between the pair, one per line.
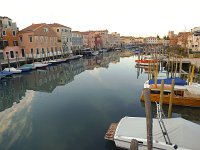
12,90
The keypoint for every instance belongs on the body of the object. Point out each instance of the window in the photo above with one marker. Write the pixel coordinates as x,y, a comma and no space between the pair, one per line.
31,50
37,51
11,54
14,33
5,43
4,32
42,50
30,39
58,30
46,29
20,38
9,23
65,30
15,43
23,52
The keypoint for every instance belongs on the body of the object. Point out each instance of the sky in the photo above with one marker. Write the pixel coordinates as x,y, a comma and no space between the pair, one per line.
127,17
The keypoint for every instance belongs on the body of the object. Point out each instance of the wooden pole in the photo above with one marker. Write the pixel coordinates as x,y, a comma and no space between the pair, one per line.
176,67
148,118
171,100
134,145
192,75
180,68
161,93
172,67
189,75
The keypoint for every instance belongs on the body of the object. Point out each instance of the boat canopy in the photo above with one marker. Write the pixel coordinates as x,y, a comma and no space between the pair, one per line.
183,133
177,81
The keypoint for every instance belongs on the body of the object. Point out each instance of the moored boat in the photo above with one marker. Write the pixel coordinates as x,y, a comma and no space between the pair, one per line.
39,64
184,95
13,70
182,134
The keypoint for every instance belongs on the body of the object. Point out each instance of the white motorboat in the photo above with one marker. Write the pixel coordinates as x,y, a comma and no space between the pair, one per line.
13,70
182,134
39,64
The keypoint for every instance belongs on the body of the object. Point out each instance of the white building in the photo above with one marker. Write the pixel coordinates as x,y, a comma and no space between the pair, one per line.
64,34
194,40
151,40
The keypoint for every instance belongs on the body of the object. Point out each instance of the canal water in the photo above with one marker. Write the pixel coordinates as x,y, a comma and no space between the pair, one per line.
71,105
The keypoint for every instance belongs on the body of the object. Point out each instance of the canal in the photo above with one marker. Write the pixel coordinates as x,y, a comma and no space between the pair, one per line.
71,105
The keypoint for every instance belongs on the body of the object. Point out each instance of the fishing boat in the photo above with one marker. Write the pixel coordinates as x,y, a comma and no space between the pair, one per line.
13,70
184,95
146,62
178,134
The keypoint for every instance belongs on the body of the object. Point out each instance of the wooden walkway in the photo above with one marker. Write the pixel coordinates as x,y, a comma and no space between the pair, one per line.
111,132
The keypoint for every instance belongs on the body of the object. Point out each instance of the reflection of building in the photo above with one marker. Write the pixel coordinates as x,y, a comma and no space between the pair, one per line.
47,80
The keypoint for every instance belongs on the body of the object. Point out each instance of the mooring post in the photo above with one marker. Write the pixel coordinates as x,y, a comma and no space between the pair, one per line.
134,145
149,121
192,75
180,68
189,74
161,93
171,100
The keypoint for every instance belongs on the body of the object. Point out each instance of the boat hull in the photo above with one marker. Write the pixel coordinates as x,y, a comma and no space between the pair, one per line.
177,100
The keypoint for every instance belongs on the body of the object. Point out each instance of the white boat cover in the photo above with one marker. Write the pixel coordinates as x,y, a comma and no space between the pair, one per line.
183,133
194,89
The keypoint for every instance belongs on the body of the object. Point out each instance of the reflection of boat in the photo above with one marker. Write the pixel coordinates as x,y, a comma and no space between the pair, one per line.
13,70
183,94
179,131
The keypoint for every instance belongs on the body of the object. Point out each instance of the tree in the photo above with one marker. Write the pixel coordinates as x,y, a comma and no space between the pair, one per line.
158,37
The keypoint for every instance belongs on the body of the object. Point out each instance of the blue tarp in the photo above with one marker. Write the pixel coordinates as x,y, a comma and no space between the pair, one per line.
177,81
5,73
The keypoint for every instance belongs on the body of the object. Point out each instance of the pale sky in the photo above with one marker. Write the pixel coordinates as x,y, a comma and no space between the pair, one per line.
128,17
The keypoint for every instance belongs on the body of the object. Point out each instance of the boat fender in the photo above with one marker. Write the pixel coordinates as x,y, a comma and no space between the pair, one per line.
175,146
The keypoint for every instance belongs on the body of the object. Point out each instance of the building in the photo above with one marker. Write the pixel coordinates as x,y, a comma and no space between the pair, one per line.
139,40
38,41
8,38
151,40
182,38
64,35
127,41
194,40
114,39
77,40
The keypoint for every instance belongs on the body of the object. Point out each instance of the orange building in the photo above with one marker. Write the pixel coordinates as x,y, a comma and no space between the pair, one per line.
182,38
39,40
8,37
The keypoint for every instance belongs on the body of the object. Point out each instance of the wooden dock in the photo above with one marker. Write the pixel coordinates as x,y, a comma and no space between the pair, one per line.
111,132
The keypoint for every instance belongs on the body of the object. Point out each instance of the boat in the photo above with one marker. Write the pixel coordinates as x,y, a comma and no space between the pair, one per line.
5,74
184,95
179,133
13,70
39,64
25,68
146,62
95,53
29,66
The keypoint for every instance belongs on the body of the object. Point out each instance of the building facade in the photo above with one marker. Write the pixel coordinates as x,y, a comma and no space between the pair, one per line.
77,40
193,41
151,40
38,41
183,38
64,35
